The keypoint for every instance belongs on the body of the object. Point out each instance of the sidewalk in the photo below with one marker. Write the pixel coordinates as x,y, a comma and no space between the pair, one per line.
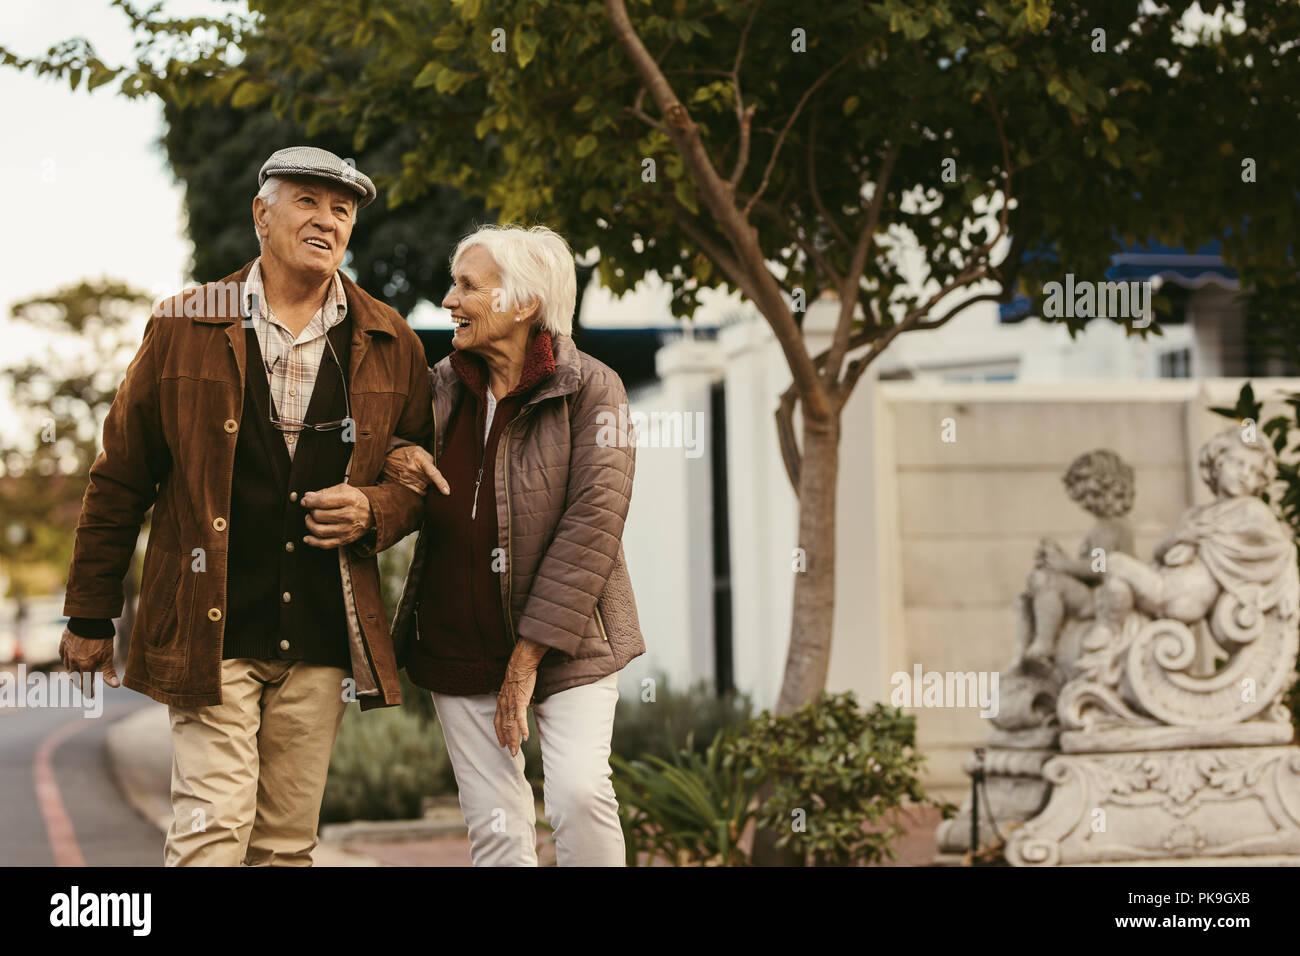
140,753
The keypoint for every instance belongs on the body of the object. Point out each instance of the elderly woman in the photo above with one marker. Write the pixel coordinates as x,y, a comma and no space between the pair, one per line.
518,592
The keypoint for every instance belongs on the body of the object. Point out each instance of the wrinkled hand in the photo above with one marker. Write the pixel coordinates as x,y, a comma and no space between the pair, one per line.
413,467
84,655
338,515
511,720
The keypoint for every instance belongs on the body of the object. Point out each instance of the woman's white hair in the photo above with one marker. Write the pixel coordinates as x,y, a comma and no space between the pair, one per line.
535,264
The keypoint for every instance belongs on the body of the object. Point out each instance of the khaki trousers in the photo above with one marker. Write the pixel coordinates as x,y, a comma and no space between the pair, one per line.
575,727
248,774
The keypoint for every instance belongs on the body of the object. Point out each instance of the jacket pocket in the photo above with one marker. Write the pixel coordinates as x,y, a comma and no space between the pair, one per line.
160,587
165,620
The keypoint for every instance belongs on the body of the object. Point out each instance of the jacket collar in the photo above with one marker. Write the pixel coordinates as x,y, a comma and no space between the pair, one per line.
367,315
449,388
539,364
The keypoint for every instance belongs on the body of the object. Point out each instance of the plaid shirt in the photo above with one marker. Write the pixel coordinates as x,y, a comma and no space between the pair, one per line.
290,363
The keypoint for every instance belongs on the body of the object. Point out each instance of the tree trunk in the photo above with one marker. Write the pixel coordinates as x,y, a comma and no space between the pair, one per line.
814,601
808,659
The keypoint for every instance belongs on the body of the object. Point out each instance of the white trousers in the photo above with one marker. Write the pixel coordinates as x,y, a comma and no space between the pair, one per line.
575,726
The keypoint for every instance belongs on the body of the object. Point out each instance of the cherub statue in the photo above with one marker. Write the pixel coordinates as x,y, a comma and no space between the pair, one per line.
1061,588
1234,544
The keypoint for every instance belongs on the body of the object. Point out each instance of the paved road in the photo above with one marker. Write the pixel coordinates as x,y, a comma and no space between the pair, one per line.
105,830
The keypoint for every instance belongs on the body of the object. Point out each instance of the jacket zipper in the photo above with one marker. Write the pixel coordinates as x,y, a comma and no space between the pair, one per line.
478,479
601,622
510,622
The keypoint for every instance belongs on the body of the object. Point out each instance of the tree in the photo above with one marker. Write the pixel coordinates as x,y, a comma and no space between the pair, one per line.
913,157
62,397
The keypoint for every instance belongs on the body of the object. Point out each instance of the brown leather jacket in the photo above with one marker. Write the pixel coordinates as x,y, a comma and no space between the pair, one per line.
169,442
559,518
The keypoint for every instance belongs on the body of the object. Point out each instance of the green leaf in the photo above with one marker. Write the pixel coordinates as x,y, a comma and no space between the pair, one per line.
427,76
99,78
1038,13
851,104
686,195
248,94
1110,129
585,103
527,42
74,77
584,146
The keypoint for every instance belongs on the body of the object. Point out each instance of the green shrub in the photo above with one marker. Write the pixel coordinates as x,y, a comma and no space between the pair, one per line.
663,726
384,762
843,768
691,810
835,771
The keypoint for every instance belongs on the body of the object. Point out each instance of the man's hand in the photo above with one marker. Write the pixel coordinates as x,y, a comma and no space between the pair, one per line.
338,516
82,655
413,467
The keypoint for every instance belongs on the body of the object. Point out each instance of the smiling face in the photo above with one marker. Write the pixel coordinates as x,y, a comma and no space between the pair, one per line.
1241,472
306,230
484,323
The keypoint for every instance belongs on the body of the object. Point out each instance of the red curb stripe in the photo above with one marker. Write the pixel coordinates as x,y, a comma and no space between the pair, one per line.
58,826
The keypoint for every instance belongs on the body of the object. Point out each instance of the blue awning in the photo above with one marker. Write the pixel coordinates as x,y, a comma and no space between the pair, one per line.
1142,262
1149,260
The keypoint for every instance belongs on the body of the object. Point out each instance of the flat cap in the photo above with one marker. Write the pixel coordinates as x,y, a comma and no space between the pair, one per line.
321,163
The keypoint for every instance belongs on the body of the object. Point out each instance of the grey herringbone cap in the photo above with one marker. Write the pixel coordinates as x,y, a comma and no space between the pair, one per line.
313,161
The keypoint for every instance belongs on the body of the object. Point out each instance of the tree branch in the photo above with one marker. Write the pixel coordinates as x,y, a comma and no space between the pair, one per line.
744,116
714,192
858,262
794,115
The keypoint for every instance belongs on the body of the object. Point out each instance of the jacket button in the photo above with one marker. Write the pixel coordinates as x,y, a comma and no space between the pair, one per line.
286,597
284,645
219,524
293,496
214,614
288,546
231,426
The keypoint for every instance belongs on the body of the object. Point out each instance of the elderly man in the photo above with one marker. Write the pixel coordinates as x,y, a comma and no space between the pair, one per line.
255,419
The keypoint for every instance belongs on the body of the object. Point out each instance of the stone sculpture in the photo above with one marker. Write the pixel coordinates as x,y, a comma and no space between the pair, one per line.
1163,756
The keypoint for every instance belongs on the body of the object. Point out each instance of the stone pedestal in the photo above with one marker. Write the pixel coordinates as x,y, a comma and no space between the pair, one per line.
1212,806
1014,791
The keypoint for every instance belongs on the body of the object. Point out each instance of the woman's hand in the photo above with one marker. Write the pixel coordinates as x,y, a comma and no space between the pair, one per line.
511,720
413,467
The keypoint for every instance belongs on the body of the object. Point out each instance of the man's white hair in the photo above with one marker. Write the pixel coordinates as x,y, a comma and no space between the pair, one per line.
270,192
535,264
